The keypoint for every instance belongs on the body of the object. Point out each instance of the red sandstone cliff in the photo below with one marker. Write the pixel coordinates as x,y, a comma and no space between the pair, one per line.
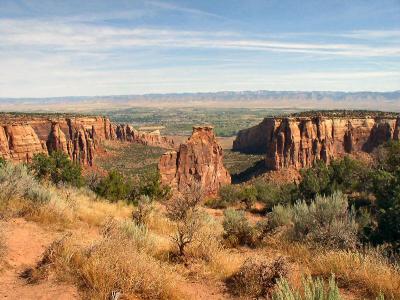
21,137
299,141
198,161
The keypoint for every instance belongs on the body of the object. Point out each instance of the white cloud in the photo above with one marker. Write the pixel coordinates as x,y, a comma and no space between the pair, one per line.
68,56
81,37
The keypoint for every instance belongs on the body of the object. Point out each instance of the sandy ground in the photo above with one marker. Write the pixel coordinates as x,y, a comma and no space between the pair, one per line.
26,243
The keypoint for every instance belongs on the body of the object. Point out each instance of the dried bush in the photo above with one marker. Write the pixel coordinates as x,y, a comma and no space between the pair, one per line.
257,277
183,210
237,229
144,209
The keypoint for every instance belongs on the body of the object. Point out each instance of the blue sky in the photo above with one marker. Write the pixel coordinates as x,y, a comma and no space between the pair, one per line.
94,47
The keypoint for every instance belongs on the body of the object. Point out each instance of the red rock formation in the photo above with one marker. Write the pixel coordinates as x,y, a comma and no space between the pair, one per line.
154,138
198,161
21,137
23,143
298,142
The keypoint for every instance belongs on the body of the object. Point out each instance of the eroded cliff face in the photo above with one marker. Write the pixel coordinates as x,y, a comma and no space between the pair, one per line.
22,137
197,162
299,142
154,138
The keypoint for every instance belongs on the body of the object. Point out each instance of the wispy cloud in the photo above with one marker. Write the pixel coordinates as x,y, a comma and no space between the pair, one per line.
182,9
80,37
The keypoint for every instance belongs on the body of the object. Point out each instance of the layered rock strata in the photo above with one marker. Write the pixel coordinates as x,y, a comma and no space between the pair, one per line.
299,141
21,137
198,162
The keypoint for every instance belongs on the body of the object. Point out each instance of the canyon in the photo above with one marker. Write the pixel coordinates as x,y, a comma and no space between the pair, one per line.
80,137
197,162
298,141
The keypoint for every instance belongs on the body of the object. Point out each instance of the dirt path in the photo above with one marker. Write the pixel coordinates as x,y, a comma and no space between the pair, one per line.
26,242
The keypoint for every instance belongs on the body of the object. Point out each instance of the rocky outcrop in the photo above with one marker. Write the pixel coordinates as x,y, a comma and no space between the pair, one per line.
299,141
154,138
21,137
197,162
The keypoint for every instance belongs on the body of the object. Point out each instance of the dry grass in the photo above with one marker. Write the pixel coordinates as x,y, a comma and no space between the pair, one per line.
72,208
369,273
114,264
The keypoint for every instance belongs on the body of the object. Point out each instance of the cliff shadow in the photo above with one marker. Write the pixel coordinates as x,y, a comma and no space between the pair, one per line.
256,169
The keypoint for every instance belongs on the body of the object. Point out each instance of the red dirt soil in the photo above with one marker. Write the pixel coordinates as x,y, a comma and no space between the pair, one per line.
26,242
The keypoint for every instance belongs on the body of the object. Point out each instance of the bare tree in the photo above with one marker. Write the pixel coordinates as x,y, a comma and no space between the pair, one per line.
183,210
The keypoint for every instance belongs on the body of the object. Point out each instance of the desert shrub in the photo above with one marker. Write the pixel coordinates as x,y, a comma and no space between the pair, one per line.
16,183
325,221
207,245
110,266
151,186
140,236
183,210
315,180
248,196
257,277
349,175
280,216
228,195
313,289
57,167
237,229
144,208
273,194
113,187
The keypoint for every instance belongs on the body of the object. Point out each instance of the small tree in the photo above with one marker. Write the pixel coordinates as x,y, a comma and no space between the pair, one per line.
113,187
315,181
183,210
58,168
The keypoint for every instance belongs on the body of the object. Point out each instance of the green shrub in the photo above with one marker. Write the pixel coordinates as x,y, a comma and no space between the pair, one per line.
150,185
58,168
237,229
316,180
273,194
113,187
248,196
349,175
228,195
326,221
280,216
257,277
386,188
313,289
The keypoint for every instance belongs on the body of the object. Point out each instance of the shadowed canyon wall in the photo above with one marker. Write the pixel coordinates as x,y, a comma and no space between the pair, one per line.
197,162
299,141
21,137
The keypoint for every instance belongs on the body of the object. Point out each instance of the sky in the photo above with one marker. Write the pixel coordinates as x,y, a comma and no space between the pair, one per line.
120,47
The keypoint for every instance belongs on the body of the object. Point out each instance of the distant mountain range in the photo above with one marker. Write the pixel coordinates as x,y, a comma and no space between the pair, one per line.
273,99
